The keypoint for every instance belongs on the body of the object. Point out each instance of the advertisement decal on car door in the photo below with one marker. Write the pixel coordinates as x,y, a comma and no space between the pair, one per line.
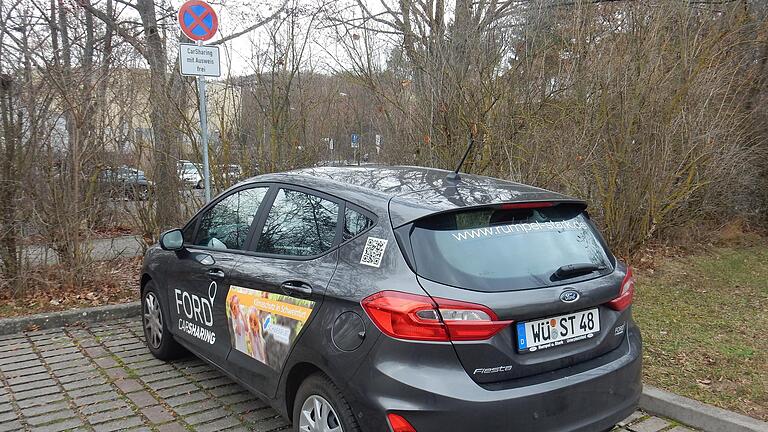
263,325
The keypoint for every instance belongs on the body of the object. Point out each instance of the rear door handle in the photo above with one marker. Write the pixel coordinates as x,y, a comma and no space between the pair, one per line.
301,289
216,274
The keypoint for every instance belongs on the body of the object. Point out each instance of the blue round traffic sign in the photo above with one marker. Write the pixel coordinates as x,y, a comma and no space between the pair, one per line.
198,20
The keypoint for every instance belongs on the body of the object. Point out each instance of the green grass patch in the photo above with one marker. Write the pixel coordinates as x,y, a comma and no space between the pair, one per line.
704,320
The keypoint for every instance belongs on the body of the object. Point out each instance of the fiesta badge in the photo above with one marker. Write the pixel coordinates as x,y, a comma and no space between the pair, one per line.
569,296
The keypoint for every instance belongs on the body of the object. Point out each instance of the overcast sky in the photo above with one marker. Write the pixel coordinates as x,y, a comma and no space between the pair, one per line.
236,15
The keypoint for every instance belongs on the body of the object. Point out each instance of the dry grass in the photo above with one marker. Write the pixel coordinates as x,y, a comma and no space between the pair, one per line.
704,319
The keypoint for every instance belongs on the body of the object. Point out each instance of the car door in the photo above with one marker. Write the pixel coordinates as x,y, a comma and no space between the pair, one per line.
277,289
199,279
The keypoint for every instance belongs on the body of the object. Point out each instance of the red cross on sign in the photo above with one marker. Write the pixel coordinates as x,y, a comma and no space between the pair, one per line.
198,20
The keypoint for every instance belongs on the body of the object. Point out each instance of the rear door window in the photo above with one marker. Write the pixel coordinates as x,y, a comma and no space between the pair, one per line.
505,248
299,224
355,223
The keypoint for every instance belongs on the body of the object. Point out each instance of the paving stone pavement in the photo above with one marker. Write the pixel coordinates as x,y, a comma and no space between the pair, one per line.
102,378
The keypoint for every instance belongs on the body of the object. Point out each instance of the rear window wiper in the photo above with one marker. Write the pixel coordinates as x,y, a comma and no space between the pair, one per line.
571,270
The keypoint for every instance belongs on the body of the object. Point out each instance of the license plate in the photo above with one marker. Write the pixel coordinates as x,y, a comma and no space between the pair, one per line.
556,331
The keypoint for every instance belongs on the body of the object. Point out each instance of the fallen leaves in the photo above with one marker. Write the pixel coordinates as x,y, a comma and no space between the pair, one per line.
104,282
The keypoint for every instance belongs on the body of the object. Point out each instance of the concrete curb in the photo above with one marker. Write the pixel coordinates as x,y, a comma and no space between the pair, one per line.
696,414
62,318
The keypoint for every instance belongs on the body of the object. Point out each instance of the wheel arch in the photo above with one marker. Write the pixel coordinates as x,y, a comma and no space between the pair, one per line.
298,373
145,278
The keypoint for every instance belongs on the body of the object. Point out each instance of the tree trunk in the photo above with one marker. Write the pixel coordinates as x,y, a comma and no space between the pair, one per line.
162,115
9,186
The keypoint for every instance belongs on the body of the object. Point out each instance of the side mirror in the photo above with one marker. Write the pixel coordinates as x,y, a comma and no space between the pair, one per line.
172,240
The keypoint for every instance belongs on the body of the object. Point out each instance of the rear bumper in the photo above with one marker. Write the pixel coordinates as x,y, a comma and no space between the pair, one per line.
437,395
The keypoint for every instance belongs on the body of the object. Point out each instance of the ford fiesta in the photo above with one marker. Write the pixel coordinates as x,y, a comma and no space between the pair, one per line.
401,299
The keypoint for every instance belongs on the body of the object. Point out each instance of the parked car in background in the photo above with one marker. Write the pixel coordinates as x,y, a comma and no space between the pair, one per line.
402,299
190,174
125,182
230,174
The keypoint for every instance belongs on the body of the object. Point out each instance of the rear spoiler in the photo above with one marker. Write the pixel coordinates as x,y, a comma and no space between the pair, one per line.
506,205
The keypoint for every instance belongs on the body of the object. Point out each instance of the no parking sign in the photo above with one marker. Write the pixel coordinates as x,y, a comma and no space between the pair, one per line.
198,20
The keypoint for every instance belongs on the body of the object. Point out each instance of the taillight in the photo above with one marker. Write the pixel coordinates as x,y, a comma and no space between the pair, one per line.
405,316
626,294
415,317
398,424
469,321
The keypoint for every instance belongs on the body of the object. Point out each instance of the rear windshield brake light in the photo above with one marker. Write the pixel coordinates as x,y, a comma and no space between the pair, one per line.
526,205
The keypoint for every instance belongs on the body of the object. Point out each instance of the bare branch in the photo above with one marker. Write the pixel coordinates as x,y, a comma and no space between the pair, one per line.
252,27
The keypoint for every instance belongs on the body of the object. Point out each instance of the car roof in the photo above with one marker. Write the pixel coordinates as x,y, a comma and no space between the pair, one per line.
408,192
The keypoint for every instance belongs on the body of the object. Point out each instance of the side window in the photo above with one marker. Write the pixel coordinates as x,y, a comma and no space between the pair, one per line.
226,225
299,224
355,223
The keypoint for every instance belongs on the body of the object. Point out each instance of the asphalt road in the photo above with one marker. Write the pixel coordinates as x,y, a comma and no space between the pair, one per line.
101,250
116,247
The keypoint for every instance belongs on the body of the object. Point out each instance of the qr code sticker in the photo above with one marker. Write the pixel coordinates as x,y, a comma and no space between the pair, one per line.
373,252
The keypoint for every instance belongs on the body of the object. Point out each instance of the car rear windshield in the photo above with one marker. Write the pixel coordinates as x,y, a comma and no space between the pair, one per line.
507,248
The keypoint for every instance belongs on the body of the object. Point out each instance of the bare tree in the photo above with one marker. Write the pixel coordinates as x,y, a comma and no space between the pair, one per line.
165,87
644,108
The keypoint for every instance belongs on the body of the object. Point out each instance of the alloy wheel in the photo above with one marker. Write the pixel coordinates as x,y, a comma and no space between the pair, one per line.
317,415
153,320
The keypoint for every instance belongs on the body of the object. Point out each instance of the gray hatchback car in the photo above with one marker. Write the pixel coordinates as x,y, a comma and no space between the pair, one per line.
402,299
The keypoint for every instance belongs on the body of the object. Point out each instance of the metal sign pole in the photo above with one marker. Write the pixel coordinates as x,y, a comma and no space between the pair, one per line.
199,22
204,137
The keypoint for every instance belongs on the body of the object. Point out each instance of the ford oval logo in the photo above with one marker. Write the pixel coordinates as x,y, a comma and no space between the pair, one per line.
569,296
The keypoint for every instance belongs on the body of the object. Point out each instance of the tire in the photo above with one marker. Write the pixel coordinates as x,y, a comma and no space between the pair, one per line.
319,388
200,185
163,346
